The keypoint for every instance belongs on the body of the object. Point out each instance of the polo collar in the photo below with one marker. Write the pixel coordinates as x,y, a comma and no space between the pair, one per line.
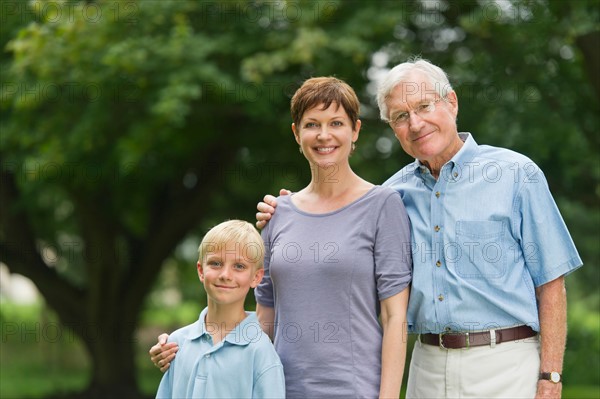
246,332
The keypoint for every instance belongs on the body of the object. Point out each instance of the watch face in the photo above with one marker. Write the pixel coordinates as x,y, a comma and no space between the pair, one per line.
555,377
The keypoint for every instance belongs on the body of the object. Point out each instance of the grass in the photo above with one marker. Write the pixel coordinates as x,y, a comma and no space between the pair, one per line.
581,392
38,360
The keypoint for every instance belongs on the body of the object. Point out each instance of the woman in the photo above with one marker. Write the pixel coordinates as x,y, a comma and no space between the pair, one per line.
338,258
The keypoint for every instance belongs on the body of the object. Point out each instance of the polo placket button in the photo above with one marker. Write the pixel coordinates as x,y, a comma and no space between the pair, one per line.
436,228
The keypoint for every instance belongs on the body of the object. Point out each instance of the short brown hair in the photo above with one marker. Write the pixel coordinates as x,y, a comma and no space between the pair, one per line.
324,90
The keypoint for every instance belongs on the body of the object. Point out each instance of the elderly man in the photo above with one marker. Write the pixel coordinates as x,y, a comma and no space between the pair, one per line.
490,251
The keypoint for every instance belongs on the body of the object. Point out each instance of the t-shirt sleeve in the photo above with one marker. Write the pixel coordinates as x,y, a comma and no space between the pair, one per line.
264,291
545,242
392,250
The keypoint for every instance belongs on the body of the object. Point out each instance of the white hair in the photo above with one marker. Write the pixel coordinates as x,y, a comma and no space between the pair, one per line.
400,74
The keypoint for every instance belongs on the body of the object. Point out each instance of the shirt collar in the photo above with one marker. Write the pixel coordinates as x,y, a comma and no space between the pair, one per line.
246,332
457,163
467,152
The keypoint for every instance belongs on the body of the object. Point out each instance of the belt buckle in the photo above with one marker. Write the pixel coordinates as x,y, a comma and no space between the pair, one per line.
441,340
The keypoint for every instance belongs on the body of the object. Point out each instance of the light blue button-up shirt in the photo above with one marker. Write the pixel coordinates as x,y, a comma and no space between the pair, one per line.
243,365
484,235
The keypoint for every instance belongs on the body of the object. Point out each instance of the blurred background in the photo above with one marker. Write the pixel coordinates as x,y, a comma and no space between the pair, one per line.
128,128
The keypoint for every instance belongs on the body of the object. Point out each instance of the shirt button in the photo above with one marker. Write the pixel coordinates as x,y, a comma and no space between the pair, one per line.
438,263
441,298
436,228
455,174
437,194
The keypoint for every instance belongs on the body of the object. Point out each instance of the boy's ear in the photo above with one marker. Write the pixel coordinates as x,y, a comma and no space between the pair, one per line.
258,276
200,271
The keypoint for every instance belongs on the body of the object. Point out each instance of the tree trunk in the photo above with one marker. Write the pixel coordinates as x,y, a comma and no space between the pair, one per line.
111,346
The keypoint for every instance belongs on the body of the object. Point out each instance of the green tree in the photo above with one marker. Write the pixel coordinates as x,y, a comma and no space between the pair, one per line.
127,125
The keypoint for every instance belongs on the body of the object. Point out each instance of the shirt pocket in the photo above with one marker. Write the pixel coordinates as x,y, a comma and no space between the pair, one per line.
482,254
199,390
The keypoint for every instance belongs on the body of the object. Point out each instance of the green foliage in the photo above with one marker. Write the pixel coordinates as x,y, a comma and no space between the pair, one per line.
583,345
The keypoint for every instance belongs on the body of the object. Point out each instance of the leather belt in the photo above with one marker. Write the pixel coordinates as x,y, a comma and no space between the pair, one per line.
452,340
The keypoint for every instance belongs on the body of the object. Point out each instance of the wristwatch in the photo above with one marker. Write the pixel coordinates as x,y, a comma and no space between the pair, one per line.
553,376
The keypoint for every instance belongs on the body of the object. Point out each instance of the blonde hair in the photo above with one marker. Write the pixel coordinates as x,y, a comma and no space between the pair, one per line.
246,239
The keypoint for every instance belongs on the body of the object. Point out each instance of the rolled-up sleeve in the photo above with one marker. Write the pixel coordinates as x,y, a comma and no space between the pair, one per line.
392,252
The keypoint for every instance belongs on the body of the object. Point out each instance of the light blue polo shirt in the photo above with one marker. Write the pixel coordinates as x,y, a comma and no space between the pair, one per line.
243,365
485,234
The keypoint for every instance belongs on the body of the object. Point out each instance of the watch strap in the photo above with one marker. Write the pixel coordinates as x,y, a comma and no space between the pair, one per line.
553,376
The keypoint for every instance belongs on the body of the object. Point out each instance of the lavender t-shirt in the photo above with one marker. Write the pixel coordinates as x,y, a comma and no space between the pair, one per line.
325,275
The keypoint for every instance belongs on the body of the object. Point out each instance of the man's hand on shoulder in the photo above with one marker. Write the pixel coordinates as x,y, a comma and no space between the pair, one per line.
163,353
266,208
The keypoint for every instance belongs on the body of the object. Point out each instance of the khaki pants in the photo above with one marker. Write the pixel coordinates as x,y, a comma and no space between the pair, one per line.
507,370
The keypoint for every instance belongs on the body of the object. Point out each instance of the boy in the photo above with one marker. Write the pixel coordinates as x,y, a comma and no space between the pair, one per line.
225,354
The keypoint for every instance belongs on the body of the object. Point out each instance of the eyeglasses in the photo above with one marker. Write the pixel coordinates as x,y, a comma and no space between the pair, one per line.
401,119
